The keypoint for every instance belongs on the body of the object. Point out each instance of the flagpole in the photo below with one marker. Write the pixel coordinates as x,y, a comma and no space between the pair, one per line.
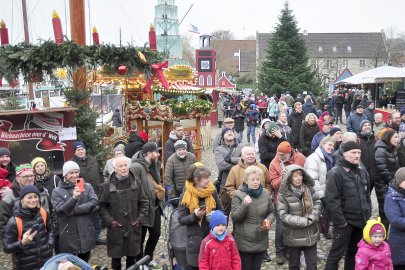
186,14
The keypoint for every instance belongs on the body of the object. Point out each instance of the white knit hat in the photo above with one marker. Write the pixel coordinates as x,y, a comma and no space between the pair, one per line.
69,166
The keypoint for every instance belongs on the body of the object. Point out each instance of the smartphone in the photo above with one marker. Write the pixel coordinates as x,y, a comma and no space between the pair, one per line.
80,184
34,228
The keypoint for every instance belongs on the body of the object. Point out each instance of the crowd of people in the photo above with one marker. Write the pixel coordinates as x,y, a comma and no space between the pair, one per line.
299,174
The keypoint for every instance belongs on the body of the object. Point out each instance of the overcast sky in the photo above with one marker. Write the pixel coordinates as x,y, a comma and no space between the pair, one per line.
242,17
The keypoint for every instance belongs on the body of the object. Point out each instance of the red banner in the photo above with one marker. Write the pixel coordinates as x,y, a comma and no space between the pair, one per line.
48,140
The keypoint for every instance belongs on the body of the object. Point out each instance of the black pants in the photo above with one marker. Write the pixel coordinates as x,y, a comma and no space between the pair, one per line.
279,243
345,242
399,267
84,256
116,262
295,254
251,261
154,234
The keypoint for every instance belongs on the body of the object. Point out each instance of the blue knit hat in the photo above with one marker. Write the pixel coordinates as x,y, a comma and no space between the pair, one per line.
28,189
217,218
78,144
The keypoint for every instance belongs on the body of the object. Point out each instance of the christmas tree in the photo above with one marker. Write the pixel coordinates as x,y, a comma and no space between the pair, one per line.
286,64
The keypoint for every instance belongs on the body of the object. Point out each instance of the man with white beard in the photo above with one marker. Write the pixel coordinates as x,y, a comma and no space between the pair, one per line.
176,169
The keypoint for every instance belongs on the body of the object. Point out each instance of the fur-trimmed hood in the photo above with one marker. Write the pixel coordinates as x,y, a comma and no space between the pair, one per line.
285,183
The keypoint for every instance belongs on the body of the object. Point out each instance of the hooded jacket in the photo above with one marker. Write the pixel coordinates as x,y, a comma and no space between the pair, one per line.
175,173
298,230
135,143
370,257
38,251
76,231
308,107
169,145
347,195
219,255
224,165
394,208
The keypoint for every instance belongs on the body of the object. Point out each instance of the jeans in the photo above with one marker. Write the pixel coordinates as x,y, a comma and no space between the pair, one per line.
347,113
295,254
240,133
345,242
116,262
279,243
251,130
154,234
251,261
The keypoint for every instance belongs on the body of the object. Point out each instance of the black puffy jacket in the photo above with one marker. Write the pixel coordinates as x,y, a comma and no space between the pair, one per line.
307,133
135,143
36,253
295,122
367,145
386,161
268,148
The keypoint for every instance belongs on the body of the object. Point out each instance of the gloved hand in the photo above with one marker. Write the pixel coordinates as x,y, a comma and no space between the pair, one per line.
228,160
115,224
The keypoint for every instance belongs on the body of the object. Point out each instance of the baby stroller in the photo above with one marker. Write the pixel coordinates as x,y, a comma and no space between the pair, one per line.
53,263
175,236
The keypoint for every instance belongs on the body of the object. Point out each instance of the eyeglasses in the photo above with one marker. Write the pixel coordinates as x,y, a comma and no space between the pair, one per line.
26,177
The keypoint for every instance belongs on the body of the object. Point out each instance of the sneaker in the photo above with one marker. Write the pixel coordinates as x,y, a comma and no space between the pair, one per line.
153,265
267,257
280,259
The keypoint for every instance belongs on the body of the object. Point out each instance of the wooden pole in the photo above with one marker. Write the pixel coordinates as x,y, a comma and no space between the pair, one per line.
27,41
78,35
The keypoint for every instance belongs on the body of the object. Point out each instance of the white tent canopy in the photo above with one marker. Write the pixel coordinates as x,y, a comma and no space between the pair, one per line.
380,74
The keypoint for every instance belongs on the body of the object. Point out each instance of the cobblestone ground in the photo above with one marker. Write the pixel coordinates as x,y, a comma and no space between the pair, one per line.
99,255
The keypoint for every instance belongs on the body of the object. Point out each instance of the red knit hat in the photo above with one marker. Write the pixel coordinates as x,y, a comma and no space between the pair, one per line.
377,228
284,147
144,135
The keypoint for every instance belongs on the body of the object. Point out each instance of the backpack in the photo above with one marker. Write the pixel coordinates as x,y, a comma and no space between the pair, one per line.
19,223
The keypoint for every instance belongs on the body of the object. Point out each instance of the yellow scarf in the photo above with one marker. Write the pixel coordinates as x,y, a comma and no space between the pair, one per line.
192,195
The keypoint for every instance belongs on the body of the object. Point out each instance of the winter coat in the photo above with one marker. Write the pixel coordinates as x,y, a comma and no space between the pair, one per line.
175,173
367,145
142,171
229,104
401,153
33,255
295,120
247,220
386,164
239,117
307,133
252,118
276,170
370,257
195,232
289,100
11,171
219,255
298,230
218,140
116,119
220,110
347,102
377,128
49,183
224,166
236,174
76,231
315,166
394,208
123,201
285,130
347,195
353,122
273,109
308,107
169,145
135,143
339,102
91,172
370,114
316,140
109,169
268,148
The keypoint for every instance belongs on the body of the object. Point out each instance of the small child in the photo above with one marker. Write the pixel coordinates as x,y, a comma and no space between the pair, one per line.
5,184
373,252
218,250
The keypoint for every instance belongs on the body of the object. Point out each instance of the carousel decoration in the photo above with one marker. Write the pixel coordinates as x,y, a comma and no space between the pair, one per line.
57,28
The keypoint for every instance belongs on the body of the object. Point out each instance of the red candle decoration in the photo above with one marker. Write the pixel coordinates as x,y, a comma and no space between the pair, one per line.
152,38
3,33
57,28
122,70
96,38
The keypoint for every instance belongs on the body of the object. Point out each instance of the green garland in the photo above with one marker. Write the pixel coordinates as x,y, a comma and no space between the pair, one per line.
37,60
184,107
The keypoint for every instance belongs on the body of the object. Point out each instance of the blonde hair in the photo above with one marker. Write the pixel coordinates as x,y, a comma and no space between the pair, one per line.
309,115
252,170
326,139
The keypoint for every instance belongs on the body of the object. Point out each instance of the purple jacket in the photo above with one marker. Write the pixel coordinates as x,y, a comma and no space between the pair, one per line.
371,257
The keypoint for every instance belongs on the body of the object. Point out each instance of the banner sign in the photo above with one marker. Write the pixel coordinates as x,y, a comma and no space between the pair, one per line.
48,140
50,121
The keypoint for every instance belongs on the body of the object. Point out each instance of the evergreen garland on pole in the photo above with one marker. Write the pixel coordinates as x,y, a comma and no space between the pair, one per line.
286,65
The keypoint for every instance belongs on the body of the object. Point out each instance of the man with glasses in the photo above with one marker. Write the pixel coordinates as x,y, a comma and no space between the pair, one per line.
24,176
175,135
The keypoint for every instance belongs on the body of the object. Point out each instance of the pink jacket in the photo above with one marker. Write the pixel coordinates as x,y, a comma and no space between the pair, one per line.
216,255
371,257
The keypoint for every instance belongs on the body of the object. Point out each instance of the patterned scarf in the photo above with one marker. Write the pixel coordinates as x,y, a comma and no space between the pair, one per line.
42,177
304,194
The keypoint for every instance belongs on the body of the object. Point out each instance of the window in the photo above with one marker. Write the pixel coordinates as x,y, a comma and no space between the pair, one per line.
362,63
201,80
345,63
320,49
334,49
349,48
209,80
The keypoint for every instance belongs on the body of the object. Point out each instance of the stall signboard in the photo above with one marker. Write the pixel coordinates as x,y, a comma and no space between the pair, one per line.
50,121
400,100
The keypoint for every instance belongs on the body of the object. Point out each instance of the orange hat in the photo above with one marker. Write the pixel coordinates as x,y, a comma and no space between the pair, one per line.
284,147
